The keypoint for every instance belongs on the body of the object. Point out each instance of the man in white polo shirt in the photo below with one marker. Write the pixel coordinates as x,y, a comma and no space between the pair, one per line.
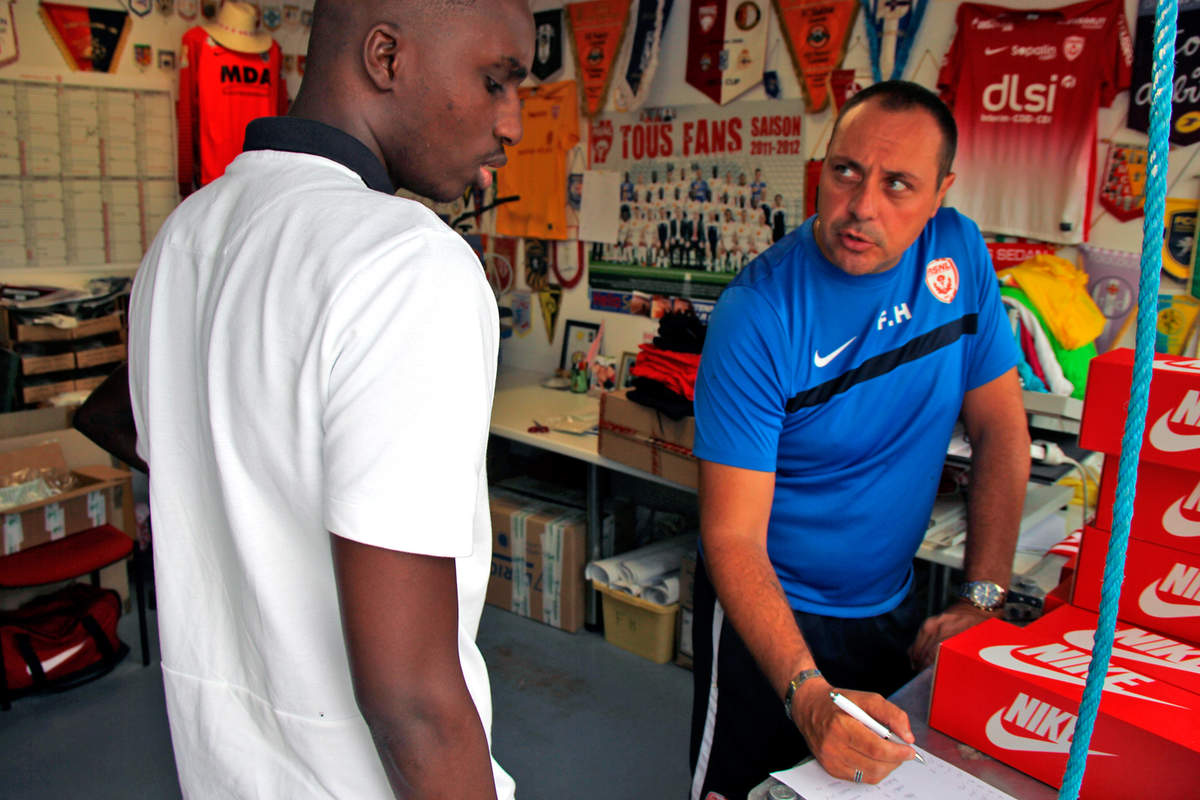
312,362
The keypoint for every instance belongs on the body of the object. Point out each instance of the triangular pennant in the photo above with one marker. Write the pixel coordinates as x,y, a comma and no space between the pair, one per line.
187,9
597,27
816,34
550,300
548,43
90,38
141,7
272,16
638,59
843,84
727,47
891,26
9,49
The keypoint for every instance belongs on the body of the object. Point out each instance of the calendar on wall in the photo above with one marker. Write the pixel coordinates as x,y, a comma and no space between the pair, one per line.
87,173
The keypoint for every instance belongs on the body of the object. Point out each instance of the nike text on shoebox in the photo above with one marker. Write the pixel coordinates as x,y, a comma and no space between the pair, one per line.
1137,649
1172,436
1166,506
1014,694
1161,591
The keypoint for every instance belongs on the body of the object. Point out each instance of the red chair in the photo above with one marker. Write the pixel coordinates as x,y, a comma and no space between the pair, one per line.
83,553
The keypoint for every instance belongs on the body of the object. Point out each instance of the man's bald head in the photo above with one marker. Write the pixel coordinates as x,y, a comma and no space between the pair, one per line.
428,85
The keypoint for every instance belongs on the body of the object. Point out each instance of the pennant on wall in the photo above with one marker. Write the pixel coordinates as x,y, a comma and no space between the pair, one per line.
1179,236
638,59
1185,106
727,46
812,180
188,9
816,33
166,7
141,7
547,53
272,16
891,27
843,83
1123,184
550,299
9,50
90,38
597,27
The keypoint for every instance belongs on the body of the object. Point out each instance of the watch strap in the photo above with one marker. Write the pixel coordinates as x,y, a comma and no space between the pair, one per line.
795,684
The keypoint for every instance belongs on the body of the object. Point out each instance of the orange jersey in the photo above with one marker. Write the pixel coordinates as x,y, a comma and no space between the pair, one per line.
537,167
220,92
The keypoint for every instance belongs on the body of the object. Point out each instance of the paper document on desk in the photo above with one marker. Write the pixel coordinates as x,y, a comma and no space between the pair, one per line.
937,778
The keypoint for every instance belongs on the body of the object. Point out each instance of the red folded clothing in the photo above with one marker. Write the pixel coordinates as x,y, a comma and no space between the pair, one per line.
675,370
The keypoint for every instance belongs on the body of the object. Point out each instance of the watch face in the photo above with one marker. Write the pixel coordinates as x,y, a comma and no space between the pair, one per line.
984,594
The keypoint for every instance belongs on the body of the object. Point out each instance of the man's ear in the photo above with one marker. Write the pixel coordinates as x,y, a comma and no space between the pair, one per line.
384,50
947,182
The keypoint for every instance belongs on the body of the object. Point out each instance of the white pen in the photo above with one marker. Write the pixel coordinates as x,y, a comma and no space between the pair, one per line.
876,727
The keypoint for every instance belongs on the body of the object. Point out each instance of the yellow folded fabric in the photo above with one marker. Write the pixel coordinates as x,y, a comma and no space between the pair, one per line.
1059,290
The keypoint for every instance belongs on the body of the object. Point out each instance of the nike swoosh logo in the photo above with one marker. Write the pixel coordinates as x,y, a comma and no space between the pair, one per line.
1085,640
820,360
1168,441
1155,606
1002,656
51,663
1000,737
991,51
1176,524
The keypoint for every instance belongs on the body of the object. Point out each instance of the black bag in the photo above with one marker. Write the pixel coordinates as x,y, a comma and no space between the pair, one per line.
59,641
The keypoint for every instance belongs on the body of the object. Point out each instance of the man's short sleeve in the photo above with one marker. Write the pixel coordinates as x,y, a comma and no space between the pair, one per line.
740,397
411,342
994,350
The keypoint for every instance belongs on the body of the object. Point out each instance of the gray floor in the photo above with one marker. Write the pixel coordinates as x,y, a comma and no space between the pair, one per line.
575,718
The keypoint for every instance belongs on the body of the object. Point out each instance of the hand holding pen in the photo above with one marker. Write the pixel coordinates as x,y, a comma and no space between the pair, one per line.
847,705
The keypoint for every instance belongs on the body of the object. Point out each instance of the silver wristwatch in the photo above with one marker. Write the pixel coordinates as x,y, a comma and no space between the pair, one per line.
984,595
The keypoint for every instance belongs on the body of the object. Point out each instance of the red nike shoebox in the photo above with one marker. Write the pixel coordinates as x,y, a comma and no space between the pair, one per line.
1161,591
1160,657
1166,506
1172,435
1014,694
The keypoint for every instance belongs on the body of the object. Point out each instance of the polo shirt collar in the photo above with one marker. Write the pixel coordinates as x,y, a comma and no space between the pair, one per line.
296,135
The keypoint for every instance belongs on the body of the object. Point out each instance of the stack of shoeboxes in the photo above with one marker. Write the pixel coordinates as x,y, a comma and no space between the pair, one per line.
1014,693
66,355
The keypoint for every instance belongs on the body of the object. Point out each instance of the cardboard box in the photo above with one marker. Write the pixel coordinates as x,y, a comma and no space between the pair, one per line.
645,439
639,626
23,429
687,579
38,365
1014,694
100,355
1166,505
38,392
538,554
48,333
1161,591
684,654
1160,657
1172,436
94,501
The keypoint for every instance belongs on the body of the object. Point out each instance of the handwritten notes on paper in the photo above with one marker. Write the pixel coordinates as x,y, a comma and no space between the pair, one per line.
937,778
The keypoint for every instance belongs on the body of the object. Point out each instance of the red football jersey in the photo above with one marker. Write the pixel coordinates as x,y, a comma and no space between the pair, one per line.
1025,87
220,92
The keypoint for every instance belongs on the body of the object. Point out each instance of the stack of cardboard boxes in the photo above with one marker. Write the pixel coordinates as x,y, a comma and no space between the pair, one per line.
646,439
1014,693
45,360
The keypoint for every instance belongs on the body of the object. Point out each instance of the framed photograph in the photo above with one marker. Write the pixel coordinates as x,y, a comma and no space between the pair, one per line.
604,374
577,339
624,374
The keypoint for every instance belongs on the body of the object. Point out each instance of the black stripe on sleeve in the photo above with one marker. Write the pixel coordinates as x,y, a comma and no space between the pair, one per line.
921,346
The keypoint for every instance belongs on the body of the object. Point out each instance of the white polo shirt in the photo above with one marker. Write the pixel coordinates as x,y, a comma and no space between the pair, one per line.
308,353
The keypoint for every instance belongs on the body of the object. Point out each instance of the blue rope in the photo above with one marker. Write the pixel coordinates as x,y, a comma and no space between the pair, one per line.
1135,421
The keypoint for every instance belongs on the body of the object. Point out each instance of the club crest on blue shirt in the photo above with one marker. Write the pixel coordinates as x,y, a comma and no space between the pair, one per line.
941,276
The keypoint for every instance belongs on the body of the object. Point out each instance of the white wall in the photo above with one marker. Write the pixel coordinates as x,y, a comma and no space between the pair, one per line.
39,56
